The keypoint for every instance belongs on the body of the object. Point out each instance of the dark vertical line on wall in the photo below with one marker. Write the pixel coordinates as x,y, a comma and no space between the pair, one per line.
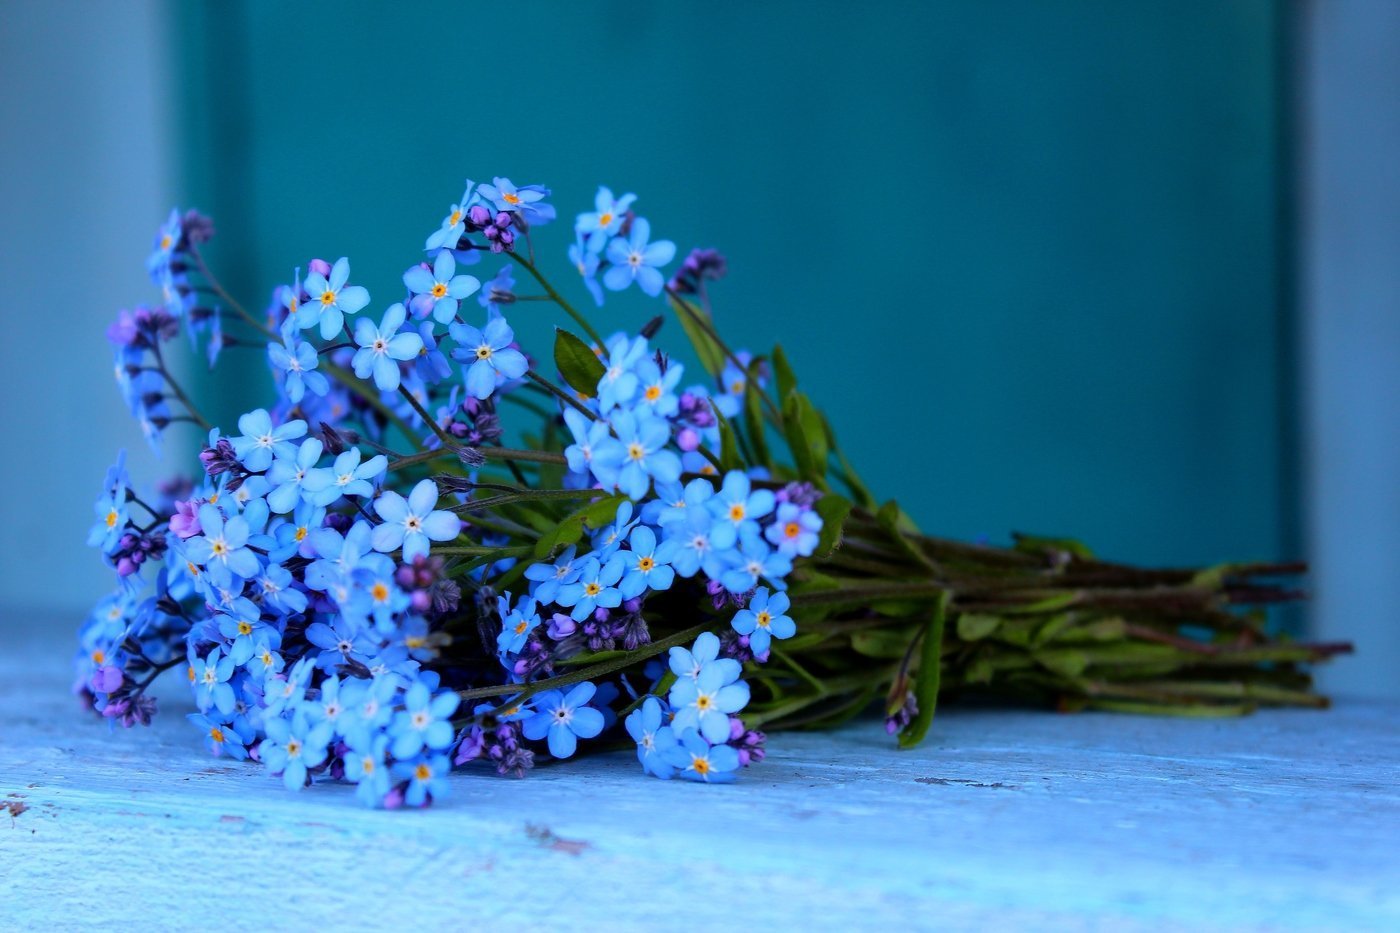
1288,98
213,142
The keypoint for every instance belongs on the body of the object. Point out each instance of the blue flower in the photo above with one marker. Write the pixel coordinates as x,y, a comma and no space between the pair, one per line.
618,384
339,555
365,767
292,746
426,776
635,260
706,701
297,361
687,663
219,737
653,739
330,299
488,352
605,219
753,561
371,703
383,347
795,531
111,521
595,587
277,592
703,542
609,538
346,477
211,680
594,450
410,524
222,549
647,563
525,200
517,623
343,641
287,474
453,225
586,260
425,720
438,291
167,239
739,505
658,387
432,366
696,760
261,441
765,619
644,438
502,285
564,719
549,578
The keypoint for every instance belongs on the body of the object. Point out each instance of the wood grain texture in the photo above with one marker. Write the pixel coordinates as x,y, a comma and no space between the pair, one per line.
1287,819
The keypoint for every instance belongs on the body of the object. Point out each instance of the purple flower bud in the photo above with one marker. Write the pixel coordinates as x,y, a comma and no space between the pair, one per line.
478,216
688,439
106,679
320,266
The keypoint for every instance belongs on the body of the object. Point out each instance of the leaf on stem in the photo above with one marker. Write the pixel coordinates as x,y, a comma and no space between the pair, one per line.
833,510
570,530
693,322
806,437
577,363
928,676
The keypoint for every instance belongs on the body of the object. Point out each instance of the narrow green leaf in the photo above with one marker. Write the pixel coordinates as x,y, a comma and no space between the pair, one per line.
806,437
833,510
753,420
927,678
974,626
570,530
729,458
1037,544
787,379
710,354
577,363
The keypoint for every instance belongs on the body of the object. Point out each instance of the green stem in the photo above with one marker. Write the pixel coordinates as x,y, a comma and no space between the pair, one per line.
558,299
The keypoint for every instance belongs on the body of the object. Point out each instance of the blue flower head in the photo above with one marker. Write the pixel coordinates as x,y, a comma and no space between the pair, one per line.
329,299
487,354
634,259
438,291
564,719
696,760
654,738
525,200
764,619
411,523
382,348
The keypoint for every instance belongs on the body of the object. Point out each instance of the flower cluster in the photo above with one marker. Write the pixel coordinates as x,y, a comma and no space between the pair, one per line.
332,600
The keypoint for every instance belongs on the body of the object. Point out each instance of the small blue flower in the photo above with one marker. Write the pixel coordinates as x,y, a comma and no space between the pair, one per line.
594,450
705,702
275,587
647,563
657,387
410,524
795,531
288,474
605,219
525,200
382,348
222,549
211,680
740,505
595,587
431,365
439,290
687,663
586,261
330,299
549,578
487,352
703,542
426,776
111,521
297,361
219,737
501,286
564,719
346,477
644,438
365,767
292,746
425,720
696,760
260,441
453,225
653,739
517,623
754,561
618,384
635,260
765,619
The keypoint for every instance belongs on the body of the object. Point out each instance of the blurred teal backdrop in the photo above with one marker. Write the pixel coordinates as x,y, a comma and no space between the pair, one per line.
1029,255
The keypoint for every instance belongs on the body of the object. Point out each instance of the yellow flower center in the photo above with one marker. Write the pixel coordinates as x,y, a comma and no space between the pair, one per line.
422,772
483,352
510,197
592,589
646,564
301,533
455,219
380,592
653,393
165,241
99,656
605,218
293,748
636,451
328,297
704,702
244,628
700,765
112,519
216,734
736,512
764,619
439,290
792,529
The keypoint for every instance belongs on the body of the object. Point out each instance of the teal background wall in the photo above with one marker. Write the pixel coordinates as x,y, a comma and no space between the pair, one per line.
1029,255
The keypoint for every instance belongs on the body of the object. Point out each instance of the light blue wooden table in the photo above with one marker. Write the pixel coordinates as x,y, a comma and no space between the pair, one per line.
1003,820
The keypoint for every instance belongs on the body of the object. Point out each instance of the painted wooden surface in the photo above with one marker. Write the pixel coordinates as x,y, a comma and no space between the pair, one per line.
1026,819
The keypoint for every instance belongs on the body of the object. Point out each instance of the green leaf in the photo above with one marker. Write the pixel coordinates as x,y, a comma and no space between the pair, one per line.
570,530
806,437
833,510
974,626
691,318
578,364
1050,603
729,458
753,420
880,643
787,380
1036,544
927,678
